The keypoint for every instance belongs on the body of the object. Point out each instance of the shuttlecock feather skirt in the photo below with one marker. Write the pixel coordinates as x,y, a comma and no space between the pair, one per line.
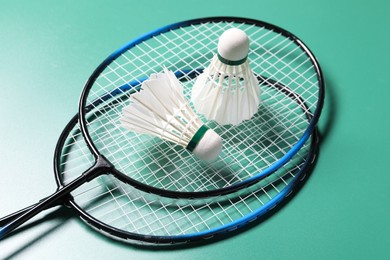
228,94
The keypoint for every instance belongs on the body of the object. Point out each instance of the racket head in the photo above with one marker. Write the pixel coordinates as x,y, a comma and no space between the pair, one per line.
121,212
292,99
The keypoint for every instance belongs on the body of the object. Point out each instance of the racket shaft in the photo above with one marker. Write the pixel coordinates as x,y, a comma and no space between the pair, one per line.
5,220
20,217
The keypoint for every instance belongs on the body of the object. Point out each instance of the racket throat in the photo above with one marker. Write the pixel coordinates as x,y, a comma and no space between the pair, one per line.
101,166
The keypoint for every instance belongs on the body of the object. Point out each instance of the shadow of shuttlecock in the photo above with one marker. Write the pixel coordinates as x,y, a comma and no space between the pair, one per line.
170,166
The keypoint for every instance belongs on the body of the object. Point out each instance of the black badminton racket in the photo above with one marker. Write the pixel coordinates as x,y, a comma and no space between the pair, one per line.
124,213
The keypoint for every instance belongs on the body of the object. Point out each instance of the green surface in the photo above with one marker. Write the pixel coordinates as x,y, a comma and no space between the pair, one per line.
48,50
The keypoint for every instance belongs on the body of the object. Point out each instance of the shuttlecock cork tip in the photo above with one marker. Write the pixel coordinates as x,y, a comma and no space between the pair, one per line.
205,144
233,46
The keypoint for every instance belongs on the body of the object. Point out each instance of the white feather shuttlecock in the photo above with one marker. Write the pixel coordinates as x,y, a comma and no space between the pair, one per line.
160,109
227,91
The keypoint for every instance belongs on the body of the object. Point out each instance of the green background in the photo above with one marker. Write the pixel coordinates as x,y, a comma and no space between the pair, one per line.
49,48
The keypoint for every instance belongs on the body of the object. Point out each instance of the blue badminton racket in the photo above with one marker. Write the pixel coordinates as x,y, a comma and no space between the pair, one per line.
292,93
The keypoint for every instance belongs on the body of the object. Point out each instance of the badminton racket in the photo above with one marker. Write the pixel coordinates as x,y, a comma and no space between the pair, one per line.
286,70
124,213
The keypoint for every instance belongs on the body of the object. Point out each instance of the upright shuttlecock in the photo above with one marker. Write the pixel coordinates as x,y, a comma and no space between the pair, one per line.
228,91
160,109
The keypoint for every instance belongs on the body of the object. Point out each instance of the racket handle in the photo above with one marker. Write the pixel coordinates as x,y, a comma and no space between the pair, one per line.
18,218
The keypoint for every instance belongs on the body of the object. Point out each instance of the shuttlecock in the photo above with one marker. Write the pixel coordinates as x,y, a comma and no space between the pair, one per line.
227,91
160,109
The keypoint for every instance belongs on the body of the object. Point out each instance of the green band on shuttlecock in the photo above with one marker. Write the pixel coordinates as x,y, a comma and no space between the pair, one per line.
196,138
231,62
